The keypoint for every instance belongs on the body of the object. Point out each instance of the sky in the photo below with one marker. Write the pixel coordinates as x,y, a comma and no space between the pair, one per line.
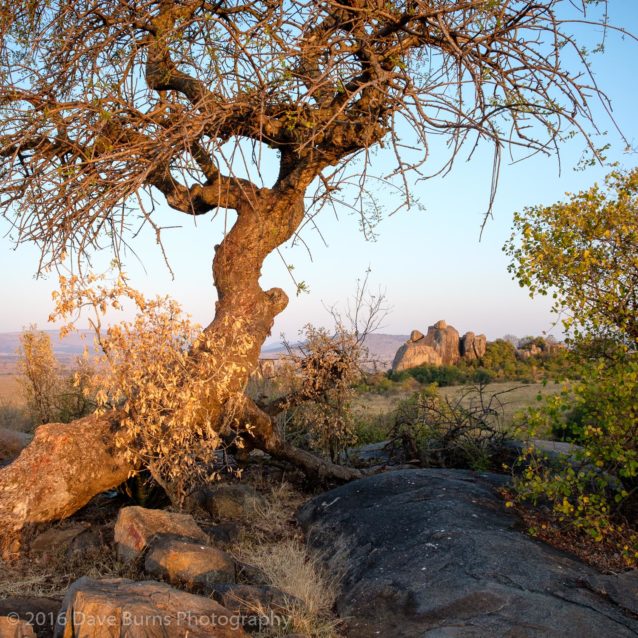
428,260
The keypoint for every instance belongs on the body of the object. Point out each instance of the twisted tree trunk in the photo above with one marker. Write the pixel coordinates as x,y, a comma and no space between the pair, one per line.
66,465
59,472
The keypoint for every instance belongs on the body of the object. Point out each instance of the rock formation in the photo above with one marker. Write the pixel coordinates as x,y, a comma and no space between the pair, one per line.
440,346
448,559
473,346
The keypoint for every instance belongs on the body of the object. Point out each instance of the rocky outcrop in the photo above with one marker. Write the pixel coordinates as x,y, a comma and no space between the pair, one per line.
440,346
229,501
473,346
435,553
121,608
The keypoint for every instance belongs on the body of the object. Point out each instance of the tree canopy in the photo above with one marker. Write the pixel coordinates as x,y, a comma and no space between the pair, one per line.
584,251
107,106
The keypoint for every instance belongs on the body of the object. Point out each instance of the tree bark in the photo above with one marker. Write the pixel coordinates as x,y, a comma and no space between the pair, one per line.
62,469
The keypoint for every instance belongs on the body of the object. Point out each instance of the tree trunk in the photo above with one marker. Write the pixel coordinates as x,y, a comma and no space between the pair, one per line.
63,468
66,465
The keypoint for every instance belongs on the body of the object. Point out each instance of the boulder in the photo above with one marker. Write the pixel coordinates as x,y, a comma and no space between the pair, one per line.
473,346
121,608
230,500
13,627
136,527
40,613
55,539
440,346
434,552
193,565
413,354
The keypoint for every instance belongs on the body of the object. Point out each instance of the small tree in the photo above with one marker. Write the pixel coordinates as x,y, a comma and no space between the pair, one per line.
585,252
40,375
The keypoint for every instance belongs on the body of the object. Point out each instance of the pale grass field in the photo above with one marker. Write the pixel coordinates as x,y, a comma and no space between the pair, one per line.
11,390
514,396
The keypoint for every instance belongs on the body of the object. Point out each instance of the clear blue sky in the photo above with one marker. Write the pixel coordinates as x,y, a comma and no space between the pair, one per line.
430,263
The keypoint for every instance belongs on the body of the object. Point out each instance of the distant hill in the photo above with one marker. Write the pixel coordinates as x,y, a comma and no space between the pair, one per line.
65,349
382,347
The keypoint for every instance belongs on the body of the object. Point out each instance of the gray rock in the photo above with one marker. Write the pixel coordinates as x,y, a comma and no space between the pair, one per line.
121,608
371,454
135,527
193,565
435,553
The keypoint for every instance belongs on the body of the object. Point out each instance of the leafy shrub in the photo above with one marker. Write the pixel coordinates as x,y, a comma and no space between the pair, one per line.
373,428
464,431
594,489
320,387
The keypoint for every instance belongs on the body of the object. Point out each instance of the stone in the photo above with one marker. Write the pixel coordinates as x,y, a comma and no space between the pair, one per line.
193,565
223,533
369,455
230,500
135,527
473,346
440,346
122,608
12,627
40,613
434,552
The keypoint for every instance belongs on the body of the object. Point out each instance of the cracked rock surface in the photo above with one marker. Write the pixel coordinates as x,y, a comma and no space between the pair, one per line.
433,553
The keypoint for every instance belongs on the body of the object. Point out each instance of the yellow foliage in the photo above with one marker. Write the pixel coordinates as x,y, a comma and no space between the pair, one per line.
168,377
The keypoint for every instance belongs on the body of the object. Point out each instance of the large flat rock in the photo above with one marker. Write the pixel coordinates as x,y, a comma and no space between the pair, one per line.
435,553
121,608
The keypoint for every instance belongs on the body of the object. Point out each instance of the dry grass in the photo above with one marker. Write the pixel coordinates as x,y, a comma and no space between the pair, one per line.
51,575
11,390
514,396
291,567
273,545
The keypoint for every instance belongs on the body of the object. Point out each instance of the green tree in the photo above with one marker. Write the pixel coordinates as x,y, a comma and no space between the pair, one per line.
584,252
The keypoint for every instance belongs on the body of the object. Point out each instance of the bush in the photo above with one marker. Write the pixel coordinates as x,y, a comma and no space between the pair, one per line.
594,490
466,431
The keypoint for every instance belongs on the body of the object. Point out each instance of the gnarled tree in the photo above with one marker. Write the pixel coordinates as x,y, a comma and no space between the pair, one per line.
110,107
